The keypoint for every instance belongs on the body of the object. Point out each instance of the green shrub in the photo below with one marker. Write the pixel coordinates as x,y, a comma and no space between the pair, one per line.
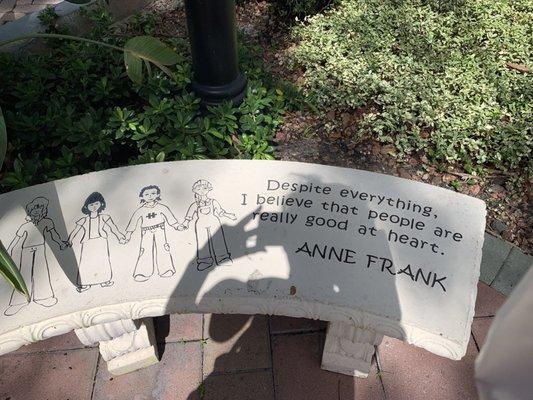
432,75
300,8
74,110
296,8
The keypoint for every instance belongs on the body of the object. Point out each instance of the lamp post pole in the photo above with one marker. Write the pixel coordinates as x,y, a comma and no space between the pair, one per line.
213,39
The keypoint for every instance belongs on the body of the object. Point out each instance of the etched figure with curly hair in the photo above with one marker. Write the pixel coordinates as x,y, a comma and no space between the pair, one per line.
33,263
210,240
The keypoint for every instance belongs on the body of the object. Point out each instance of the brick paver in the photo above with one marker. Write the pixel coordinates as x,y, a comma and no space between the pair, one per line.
488,300
237,365
235,343
513,269
411,373
11,10
55,375
495,252
176,377
179,328
298,376
480,329
254,385
28,8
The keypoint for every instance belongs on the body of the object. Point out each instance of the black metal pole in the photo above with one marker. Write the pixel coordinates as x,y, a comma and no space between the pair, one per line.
213,39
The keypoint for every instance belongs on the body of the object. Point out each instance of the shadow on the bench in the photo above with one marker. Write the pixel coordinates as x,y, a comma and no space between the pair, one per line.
326,283
315,275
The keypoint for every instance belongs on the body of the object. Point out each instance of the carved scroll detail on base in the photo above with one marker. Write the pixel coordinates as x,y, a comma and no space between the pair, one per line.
437,344
103,332
348,349
126,345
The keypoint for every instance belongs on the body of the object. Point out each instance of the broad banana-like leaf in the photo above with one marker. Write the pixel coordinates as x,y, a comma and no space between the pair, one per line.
134,67
166,71
11,273
136,50
151,49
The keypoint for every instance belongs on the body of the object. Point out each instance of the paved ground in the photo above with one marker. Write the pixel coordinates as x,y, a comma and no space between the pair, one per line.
11,10
503,264
240,357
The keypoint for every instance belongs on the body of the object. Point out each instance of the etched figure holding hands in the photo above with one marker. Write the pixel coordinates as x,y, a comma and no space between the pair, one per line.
154,251
33,264
95,262
210,240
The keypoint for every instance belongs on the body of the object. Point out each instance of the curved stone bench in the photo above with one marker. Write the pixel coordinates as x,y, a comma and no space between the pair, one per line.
372,254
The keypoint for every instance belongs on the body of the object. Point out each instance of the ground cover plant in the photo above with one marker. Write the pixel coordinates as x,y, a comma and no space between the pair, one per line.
421,110
295,8
300,8
72,110
447,78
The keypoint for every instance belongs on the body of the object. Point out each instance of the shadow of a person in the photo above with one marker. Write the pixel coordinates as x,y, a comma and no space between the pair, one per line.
289,295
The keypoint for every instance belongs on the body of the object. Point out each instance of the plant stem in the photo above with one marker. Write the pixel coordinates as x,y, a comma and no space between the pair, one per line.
59,36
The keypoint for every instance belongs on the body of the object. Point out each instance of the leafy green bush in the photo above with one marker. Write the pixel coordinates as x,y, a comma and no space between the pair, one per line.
300,8
431,74
296,8
74,110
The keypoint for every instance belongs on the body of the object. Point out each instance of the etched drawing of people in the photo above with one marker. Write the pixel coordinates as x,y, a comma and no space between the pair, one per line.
154,251
95,261
210,240
33,263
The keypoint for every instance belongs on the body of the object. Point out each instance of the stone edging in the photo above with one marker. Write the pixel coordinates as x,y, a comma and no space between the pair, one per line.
503,264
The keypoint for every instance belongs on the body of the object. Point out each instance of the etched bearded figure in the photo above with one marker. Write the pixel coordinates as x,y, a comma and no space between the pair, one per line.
33,263
154,251
95,261
210,240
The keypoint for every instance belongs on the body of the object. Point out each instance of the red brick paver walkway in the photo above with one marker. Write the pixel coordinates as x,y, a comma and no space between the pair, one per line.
237,357
11,10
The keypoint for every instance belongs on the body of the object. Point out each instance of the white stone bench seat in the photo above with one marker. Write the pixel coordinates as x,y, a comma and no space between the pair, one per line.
372,254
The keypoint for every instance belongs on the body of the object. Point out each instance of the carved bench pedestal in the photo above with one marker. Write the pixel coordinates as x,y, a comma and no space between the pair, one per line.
348,349
126,345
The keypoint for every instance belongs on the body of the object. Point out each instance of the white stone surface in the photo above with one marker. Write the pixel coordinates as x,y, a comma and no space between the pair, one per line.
275,266
133,361
348,349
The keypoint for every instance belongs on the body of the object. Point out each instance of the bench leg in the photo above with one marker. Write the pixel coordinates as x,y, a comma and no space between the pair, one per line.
126,345
349,349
